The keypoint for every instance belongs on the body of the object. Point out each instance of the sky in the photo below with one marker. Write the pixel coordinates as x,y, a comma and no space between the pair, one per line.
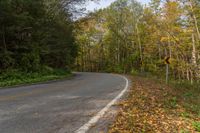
105,3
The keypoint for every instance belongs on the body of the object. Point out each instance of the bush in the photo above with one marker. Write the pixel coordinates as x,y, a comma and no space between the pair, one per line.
30,62
15,77
6,61
134,72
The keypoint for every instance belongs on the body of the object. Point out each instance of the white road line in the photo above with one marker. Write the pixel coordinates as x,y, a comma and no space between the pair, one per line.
100,114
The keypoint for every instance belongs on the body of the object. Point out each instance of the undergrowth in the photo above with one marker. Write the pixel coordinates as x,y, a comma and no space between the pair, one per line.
17,77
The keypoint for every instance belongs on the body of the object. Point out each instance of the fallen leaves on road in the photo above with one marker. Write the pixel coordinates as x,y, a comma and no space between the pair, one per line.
152,108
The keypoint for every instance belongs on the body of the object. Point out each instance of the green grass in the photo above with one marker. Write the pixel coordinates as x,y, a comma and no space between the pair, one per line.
171,103
16,77
196,126
189,95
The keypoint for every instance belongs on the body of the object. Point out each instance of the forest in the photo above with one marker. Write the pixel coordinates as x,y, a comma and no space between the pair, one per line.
36,40
128,37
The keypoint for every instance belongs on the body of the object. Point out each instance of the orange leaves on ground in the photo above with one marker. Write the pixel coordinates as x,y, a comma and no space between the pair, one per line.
146,110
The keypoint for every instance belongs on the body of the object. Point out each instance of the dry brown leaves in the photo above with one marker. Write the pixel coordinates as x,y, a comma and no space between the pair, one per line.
146,111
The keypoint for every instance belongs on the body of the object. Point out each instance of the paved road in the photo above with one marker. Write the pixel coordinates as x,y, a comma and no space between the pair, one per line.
57,107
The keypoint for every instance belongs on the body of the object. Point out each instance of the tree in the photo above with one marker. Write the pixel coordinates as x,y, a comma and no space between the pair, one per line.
36,33
137,38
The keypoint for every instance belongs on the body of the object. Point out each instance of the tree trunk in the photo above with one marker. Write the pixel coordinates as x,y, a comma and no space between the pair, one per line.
82,59
159,51
188,74
140,47
191,76
194,19
169,46
194,59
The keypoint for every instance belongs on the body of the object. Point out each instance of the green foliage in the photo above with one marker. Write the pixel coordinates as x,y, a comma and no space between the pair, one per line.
134,72
185,115
196,126
108,39
186,84
34,34
118,69
30,62
171,103
16,77
6,61
190,94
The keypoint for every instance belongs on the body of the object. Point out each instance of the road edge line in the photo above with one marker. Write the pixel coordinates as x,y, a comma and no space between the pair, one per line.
100,114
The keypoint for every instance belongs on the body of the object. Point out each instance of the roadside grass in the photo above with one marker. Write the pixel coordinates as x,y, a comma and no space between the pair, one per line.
152,106
16,77
189,95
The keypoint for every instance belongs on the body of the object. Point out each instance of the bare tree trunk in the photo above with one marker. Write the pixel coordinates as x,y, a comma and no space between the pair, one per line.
82,59
140,46
118,52
90,61
159,51
167,68
179,75
194,59
191,76
195,19
102,55
188,74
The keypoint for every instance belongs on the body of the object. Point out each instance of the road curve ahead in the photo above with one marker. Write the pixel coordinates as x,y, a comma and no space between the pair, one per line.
57,107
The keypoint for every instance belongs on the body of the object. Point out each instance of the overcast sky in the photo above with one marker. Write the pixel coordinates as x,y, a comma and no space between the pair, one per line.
104,3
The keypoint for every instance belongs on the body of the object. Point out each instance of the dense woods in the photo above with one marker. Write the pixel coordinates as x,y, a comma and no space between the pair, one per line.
36,40
128,37
34,34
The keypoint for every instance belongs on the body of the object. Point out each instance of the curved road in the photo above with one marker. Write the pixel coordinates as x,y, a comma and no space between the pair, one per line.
61,107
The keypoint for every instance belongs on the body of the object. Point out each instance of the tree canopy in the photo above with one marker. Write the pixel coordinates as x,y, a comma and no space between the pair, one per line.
37,33
129,37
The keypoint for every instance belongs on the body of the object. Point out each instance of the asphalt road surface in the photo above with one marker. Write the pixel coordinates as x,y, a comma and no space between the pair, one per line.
57,107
